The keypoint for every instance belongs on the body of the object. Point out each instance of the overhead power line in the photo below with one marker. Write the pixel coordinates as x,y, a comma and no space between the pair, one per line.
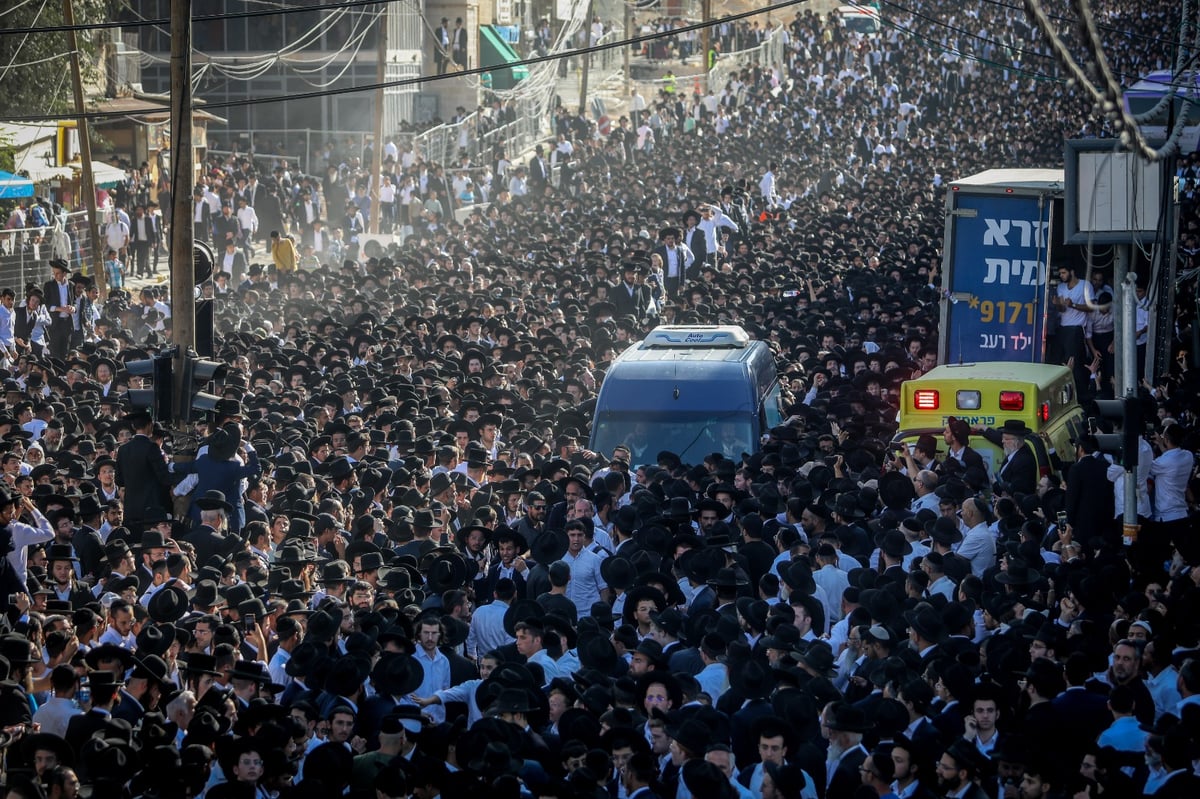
423,79
141,23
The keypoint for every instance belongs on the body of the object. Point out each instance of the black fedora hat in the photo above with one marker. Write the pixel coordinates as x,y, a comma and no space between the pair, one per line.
522,610
397,674
16,650
97,655
504,533
927,622
511,700
618,572
752,680
1015,427
944,530
213,500
155,639
549,546
847,718
597,652
201,663
169,604
1018,573
692,734
704,780
893,543
727,578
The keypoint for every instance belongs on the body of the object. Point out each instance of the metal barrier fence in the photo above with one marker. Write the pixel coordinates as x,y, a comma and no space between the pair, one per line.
295,146
770,51
442,144
25,254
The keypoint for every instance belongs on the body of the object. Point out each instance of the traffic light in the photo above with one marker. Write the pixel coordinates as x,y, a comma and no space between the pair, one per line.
198,374
157,398
1126,417
203,262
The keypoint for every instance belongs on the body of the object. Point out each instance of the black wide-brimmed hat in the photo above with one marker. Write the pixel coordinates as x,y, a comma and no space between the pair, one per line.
397,674
549,546
847,718
213,500
169,604
522,610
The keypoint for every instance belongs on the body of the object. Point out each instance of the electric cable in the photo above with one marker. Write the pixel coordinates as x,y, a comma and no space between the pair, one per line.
426,79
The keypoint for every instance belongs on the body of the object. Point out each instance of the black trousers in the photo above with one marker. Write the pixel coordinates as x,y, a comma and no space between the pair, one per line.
59,335
141,252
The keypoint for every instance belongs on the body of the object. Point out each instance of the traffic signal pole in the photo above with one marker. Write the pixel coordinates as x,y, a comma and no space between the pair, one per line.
1128,390
181,257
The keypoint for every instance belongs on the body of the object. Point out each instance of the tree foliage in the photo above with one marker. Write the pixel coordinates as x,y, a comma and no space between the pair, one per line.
39,80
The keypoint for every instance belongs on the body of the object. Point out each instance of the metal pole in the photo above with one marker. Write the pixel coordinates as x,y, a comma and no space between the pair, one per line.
1121,255
86,182
1129,391
587,59
377,151
705,37
626,51
1158,353
181,258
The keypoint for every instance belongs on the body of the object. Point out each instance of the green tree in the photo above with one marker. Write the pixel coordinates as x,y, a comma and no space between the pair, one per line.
39,80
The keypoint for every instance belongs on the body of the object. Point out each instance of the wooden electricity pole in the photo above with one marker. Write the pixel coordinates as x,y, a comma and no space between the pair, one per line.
625,51
377,151
86,179
587,60
180,257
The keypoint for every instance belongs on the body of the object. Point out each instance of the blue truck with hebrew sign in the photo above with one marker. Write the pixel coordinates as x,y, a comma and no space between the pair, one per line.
995,265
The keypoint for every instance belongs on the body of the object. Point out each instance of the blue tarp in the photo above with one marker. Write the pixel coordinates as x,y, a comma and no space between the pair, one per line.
13,187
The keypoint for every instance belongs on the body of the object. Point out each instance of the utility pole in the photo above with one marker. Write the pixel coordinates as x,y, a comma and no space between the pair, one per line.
587,59
1128,389
377,150
181,257
86,181
705,37
626,54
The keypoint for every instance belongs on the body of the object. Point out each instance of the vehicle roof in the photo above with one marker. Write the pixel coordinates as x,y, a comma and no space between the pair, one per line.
1039,373
1045,179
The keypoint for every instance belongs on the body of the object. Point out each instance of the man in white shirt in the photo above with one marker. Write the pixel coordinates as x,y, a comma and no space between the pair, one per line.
766,186
116,234
1170,472
248,225
979,544
8,342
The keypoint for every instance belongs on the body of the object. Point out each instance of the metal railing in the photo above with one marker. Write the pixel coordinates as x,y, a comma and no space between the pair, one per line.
770,51
25,254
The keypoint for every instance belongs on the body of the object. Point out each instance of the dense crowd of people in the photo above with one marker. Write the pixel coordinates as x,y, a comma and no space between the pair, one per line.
385,564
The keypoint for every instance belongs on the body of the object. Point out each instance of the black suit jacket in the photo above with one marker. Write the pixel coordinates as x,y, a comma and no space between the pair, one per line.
634,303
846,777
225,228
696,242
745,745
493,577
1089,495
53,300
142,472
152,231
207,541
128,708
90,551
1018,473
82,727
205,214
